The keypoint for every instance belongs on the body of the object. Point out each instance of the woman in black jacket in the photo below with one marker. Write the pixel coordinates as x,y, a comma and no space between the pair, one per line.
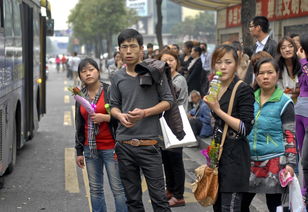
234,165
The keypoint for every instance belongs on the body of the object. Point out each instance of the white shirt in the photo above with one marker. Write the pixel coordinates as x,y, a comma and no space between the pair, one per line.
260,45
205,59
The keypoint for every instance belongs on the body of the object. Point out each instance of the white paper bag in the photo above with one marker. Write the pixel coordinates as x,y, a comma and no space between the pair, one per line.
170,139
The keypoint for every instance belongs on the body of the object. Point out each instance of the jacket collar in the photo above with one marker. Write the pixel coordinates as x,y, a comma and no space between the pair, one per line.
276,96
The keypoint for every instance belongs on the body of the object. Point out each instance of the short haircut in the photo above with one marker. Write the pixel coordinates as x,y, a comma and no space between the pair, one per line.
177,46
203,43
128,35
173,54
258,66
220,51
237,45
149,45
194,92
293,35
197,49
115,54
189,44
304,43
261,21
87,61
258,56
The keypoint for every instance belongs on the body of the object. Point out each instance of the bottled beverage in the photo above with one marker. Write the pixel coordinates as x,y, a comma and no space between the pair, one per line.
215,86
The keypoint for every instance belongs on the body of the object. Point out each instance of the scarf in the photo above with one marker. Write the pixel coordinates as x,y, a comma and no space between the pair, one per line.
93,129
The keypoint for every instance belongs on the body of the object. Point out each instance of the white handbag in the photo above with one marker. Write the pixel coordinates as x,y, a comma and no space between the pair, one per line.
170,139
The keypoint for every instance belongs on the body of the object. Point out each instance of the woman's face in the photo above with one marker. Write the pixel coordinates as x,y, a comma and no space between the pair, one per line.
117,57
89,74
171,61
227,66
287,50
267,77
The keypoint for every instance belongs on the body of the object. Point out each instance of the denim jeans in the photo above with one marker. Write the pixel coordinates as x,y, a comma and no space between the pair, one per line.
95,169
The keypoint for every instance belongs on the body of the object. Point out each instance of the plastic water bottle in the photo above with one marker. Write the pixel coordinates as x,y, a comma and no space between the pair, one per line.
215,86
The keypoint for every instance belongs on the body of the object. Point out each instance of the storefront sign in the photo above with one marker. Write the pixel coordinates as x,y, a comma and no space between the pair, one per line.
272,9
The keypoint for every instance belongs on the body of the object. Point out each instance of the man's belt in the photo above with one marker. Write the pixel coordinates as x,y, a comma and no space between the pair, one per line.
140,142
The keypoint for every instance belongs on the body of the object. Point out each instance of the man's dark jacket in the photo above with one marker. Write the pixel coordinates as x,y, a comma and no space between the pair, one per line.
157,68
270,47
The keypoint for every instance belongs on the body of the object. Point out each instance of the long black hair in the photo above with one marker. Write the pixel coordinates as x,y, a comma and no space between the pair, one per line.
304,43
281,60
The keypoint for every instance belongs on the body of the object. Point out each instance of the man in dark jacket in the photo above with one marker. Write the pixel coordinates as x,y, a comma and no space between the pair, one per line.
137,105
195,70
259,29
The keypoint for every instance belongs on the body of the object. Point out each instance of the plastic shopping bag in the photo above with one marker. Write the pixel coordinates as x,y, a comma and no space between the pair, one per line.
295,196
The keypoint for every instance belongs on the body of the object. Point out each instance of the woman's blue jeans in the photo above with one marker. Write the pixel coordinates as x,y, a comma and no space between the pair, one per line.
95,169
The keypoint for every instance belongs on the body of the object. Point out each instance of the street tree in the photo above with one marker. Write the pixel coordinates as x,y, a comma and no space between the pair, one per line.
159,24
198,27
96,20
247,14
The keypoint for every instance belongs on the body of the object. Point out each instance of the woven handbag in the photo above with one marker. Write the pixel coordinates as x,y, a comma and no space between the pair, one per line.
205,187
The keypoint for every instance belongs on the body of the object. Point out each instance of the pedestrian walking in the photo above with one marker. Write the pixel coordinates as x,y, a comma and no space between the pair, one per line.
95,142
74,63
272,140
137,103
58,62
234,164
301,110
173,158
289,67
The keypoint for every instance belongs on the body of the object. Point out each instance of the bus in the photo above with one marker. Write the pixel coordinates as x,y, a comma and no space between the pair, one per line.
23,31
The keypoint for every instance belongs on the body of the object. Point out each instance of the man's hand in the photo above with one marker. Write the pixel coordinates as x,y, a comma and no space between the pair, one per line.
136,115
123,118
80,161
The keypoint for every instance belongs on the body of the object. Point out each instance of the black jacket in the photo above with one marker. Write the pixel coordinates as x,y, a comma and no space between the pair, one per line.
172,116
270,47
80,122
194,76
234,165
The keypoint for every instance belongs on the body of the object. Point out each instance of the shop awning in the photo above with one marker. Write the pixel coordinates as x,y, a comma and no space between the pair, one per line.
207,4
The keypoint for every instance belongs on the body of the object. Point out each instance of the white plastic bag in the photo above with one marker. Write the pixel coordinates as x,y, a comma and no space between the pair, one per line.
295,196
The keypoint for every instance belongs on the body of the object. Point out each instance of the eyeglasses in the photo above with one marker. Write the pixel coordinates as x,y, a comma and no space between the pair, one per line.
133,47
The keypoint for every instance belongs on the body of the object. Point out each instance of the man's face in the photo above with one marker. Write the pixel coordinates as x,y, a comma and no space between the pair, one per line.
130,51
186,50
150,50
202,46
195,98
254,30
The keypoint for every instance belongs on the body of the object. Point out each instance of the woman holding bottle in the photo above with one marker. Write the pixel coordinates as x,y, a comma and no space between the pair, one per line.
234,164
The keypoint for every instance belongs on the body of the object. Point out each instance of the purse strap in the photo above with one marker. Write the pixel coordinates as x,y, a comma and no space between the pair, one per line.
230,107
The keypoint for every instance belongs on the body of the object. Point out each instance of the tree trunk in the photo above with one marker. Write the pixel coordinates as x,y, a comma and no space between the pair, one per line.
247,14
109,45
158,27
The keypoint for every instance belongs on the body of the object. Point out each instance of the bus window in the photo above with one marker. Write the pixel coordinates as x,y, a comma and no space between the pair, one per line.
8,22
17,25
1,14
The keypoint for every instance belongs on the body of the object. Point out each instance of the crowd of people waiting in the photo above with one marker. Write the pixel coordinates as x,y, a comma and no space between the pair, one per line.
268,126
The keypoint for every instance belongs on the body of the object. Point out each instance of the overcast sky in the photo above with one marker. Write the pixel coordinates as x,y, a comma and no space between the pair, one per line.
60,10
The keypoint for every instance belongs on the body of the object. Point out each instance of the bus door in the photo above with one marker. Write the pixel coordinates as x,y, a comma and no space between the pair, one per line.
27,55
1,44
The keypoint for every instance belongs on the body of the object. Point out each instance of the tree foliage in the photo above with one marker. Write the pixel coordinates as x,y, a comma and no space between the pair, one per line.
198,27
96,20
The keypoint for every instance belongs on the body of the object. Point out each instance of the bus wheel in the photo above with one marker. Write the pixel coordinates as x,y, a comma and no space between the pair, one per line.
13,150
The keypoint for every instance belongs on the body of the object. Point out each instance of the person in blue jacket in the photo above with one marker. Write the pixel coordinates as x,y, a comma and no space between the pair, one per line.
200,116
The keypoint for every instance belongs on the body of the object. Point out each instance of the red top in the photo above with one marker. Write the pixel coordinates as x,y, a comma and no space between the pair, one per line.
104,139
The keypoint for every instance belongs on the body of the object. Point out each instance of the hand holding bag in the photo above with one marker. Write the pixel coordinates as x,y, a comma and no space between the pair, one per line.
205,188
